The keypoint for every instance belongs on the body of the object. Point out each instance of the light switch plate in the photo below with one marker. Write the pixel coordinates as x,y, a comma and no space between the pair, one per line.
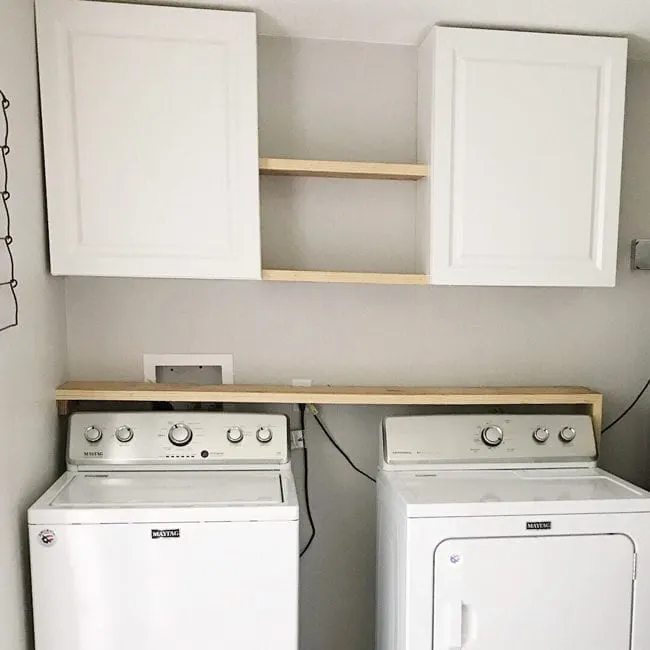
641,254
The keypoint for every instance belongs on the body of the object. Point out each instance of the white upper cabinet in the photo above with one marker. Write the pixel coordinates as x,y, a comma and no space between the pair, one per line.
523,132
150,135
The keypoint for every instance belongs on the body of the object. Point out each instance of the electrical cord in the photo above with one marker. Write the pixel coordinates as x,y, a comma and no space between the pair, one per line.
338,447
310,518
314,412
628,409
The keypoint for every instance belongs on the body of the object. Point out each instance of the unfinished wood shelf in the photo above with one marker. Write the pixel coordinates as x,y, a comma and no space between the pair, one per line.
115,391
344,276
343,169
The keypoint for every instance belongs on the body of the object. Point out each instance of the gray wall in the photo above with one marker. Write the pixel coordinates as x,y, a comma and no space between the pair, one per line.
328,99
32,356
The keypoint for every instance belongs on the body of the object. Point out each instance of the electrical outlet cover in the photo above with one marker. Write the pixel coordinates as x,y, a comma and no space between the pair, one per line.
297,439
641,254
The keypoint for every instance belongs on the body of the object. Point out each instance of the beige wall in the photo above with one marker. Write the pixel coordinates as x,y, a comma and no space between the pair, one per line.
328,99
32,356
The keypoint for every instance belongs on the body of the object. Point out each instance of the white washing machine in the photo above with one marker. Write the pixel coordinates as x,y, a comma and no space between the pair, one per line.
499,533
167,534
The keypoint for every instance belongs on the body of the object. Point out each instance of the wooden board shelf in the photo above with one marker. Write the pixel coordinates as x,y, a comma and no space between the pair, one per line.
116,391
343,169
344,276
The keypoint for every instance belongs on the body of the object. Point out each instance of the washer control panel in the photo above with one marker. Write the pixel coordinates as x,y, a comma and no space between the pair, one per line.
182,438
490,439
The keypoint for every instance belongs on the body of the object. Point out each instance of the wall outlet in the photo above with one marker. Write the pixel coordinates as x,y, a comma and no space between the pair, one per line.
301,383
189,368
297,439
640,254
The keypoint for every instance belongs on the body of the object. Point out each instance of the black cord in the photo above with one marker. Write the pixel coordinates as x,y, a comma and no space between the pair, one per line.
628,409
340,450
306,483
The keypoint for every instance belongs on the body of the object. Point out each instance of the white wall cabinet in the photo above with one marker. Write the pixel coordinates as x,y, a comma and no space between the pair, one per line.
523,132
150,135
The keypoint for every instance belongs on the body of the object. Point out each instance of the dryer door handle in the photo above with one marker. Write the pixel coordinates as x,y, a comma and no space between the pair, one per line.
455,620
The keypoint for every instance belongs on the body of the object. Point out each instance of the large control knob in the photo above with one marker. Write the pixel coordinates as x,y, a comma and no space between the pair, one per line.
180,434
124,434
235,434
93,434
264,434
541,434
567,434
492,435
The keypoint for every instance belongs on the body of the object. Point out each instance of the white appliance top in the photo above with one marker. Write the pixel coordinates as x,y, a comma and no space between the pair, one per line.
484,465
122,497
182,440
154,489
489,441
502,492
148,467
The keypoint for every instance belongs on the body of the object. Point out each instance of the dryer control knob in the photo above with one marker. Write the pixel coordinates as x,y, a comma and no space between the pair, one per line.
567,434
180,434
541,434
93,434
492,435
264,434
235,434
124,434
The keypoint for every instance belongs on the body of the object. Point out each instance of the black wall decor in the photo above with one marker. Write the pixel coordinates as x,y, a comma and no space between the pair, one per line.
8,299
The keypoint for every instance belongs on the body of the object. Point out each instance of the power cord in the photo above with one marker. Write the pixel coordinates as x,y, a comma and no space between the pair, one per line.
314,411
310,518
628,409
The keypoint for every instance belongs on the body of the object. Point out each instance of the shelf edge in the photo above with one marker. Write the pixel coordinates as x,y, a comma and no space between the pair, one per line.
284,275
343,169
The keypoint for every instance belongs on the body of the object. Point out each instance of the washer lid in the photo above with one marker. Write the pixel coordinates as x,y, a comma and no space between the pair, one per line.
171,489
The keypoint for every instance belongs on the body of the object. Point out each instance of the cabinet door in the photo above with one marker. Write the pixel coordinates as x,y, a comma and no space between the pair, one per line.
150,136
524,135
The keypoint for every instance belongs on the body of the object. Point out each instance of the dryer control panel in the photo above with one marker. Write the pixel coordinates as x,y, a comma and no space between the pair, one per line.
186,439
493,440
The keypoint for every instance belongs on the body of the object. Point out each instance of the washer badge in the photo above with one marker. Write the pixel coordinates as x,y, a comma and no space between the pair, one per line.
47,537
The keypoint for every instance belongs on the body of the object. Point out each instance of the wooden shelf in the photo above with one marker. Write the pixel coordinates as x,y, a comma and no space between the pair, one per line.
271,394
343,169
361,395
344,276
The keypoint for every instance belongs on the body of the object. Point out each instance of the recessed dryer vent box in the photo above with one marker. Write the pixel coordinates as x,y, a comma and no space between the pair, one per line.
202,369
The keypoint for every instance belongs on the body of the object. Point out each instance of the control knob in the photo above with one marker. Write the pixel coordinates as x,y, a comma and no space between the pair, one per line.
492,435
567,434
124,434
235,434
180,434
264,434
93,434
541,434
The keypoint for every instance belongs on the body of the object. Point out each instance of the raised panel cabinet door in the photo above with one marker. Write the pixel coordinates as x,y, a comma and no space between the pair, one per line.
524,134
150,137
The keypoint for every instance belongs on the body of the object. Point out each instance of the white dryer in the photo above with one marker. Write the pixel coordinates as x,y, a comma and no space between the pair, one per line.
167,534
499,533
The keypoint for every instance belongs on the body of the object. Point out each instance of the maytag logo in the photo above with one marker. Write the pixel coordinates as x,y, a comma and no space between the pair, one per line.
159,533
538,525
93,454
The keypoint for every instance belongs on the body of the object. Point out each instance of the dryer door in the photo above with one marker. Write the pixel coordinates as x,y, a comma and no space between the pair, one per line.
537,593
